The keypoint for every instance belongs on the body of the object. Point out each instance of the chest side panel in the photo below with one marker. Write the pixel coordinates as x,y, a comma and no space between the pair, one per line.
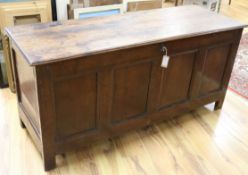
27,90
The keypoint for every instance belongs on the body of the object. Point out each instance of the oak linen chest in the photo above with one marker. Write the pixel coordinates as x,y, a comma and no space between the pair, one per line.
80,81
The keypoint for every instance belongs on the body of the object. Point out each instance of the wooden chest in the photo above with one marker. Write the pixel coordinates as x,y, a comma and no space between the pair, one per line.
84,80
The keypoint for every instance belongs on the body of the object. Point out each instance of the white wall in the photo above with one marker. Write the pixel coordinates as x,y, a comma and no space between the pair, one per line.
62,9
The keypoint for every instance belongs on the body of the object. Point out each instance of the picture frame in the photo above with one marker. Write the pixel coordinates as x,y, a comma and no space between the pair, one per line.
106,10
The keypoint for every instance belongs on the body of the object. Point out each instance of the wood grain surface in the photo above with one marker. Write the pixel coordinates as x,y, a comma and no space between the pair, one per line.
50,42
237,10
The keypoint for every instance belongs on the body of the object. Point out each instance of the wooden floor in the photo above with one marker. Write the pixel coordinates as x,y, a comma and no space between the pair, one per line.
202,142
237,10
197,143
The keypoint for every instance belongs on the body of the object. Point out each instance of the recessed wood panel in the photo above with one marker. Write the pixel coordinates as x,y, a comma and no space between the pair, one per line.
214,67
76,104
175,82
130,92
27,95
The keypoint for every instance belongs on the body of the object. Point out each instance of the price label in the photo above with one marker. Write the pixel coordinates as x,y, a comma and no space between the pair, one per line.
165,61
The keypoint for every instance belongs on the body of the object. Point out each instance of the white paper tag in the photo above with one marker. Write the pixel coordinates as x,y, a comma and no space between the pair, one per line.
165,61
